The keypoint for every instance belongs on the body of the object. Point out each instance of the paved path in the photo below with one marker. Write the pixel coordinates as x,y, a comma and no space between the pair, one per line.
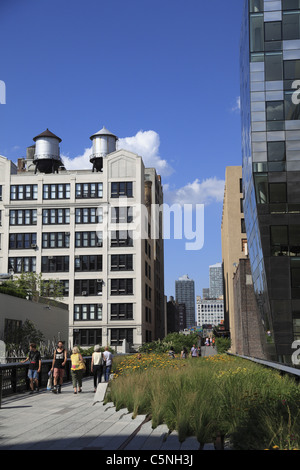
45,421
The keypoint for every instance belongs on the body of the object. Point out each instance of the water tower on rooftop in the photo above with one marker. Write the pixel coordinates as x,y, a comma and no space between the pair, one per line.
47,153
104,142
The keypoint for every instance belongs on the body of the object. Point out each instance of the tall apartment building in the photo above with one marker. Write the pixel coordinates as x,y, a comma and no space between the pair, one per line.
215,281
270,113
86,228
234,242
185,294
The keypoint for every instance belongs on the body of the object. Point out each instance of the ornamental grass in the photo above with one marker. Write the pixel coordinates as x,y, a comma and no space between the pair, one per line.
254,407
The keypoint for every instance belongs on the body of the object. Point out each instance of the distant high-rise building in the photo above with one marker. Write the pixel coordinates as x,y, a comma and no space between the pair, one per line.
185,293
205,293
216,281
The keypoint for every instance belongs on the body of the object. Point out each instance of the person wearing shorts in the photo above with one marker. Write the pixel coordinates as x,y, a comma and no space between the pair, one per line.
35,363
58,366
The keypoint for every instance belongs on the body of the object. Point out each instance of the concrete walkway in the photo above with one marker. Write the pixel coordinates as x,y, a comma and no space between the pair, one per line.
45,421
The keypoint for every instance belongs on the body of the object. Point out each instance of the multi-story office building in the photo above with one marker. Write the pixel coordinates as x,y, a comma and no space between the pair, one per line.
234,242
209,311
215,281
185,294
270,112
85,228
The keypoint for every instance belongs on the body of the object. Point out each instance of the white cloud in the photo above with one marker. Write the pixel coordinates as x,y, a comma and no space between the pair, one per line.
237,105
204,192
144,143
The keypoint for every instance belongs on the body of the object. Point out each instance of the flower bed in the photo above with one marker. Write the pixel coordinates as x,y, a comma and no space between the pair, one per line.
255,407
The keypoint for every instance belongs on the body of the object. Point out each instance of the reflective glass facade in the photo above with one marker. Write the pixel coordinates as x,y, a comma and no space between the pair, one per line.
270,116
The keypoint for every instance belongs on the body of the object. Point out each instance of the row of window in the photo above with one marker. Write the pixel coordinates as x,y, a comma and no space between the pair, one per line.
285,240
62,216
90,337
264,32
19,192
270,193
258,5
21,241
90,312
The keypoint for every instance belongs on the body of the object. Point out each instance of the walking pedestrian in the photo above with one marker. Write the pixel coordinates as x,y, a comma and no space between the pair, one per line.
58,367
97,366
35,364
108,362
184,353
77,369
194,351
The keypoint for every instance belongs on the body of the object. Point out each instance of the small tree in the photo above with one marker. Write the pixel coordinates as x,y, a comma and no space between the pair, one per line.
18,341
33,286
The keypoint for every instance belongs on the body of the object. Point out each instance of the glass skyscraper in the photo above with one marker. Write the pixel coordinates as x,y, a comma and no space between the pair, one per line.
185,294
270,114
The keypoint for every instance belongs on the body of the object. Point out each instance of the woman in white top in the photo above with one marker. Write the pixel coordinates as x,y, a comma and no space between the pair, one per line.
98,365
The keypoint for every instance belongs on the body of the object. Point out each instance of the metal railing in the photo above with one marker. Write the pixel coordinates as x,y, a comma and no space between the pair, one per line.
14,380
282,368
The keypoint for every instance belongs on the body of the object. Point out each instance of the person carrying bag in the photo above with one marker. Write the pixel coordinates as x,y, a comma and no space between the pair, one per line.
77,369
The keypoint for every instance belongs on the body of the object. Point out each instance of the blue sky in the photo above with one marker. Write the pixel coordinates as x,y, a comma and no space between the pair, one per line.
163,75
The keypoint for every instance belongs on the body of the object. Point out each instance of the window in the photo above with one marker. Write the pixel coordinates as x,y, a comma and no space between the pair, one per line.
291,25
23,192
88,239
121,312
243,226
261,188
56,216
295,277
117,335
121,215
53,264
22,241
275,110
291,110
279,240
84,263
86,287
56,240
48,288
119,189
256,6
121,287
273,31
88,190
276,151
294,240
88,337
121,263
273,66
89,215
56,191
256,33
22,264
23,217
121,238
290,4
277,192
87,312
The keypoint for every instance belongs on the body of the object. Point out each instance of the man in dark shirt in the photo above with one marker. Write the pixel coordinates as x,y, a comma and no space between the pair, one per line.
58,366
35,363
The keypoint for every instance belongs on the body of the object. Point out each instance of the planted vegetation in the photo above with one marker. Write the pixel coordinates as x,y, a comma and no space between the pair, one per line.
253,407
